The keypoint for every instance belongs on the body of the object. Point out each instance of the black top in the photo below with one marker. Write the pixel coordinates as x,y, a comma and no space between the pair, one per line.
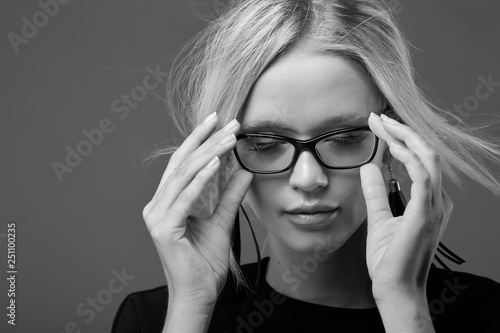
458,302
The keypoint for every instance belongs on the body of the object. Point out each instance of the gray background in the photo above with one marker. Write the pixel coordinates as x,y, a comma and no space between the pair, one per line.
72,234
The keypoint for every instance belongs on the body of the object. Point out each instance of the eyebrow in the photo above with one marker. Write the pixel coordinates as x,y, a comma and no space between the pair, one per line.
274,125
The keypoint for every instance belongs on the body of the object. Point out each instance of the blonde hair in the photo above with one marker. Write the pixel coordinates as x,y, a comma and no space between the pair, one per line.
217,68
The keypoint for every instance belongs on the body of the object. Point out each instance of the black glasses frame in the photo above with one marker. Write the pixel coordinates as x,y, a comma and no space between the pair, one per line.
309,145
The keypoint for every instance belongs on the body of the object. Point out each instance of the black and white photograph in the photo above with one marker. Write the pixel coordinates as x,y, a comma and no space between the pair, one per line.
250,166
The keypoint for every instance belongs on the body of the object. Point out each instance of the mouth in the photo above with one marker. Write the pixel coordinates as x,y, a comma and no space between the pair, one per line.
316,218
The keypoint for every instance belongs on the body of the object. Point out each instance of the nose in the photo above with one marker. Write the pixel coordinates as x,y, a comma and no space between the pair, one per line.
307,174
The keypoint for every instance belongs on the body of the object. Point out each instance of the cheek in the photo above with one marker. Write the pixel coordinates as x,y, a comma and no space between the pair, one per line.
262,197
343,188
349,194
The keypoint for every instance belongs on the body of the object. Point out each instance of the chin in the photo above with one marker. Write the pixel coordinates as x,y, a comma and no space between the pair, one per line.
312,242
324,240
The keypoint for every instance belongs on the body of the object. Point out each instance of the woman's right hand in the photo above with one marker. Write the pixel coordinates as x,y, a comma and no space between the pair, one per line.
194,251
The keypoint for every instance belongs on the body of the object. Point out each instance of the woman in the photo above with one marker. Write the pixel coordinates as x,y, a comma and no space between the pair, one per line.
335,74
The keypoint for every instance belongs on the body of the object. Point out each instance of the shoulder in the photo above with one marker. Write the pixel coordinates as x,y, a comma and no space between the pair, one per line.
142,311
463,300
448,287
145,311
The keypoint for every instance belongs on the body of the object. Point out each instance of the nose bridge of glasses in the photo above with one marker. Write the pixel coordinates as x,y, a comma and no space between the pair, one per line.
301,147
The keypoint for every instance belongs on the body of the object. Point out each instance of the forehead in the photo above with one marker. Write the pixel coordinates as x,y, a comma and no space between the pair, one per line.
305,93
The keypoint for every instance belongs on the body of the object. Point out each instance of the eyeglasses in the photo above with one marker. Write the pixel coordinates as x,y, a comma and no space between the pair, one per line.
346,148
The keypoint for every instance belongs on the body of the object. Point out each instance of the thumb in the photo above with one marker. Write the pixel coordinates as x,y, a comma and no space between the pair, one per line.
375,193
231,198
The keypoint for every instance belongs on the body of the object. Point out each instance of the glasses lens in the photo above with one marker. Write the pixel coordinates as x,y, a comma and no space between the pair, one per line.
347,149
339,150
265,154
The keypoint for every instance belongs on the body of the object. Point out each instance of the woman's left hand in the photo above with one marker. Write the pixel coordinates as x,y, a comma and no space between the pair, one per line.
400,249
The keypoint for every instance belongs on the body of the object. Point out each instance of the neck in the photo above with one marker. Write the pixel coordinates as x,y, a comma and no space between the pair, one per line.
338,279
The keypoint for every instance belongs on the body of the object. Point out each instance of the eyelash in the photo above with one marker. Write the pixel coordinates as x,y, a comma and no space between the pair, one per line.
353,139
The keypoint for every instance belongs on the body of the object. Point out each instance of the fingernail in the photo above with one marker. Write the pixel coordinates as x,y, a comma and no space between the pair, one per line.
375,117
210,117
230,126
389,120
228,139
396,145
212,162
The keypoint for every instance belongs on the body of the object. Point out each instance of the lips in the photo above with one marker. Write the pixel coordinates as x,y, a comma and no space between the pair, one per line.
317,220
311,209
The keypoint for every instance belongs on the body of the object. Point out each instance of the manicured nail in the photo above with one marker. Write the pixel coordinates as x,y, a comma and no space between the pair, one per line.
389,120
396,145
228,139
212,162
230,126
210,117
375,117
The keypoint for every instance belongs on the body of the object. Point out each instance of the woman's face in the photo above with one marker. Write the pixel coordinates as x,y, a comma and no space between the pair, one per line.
307,94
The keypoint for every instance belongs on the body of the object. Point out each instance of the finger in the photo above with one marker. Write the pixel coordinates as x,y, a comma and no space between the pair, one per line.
231,127
185,203
183,176
420,205
415,142
377,126
447,210
193,141
417,230
231,199
375,193
190,144
428,156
